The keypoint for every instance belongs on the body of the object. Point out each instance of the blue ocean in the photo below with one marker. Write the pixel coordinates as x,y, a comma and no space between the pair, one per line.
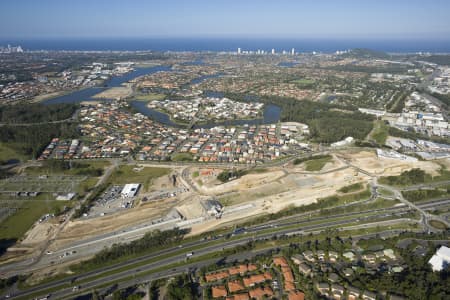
231,44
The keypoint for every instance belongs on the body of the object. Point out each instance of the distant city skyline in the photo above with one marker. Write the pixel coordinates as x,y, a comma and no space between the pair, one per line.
401,19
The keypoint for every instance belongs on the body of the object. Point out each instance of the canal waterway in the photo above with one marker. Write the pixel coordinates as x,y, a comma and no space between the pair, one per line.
270,115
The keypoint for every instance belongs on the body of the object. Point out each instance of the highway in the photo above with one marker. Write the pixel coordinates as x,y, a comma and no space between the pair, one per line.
426,217
192,267
276,228
251,235
29,264
92,245
133,232
188,268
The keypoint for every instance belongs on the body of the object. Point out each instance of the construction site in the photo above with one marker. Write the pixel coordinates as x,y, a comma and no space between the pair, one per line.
189,196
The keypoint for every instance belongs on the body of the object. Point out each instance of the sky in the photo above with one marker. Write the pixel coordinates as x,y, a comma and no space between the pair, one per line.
365,19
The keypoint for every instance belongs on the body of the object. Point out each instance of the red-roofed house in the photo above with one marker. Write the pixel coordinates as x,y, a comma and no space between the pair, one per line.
243,296
219,291
235,286
259,292
296,295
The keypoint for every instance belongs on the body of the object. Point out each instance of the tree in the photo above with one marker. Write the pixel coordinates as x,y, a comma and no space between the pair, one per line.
181,288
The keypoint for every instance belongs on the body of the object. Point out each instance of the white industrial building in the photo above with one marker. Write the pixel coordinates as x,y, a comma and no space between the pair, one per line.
130,190
423,115
441,259
391,154
345,142
378,113
65,197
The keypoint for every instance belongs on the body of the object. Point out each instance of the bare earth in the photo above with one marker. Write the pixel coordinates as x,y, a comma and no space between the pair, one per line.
249,196
387,167
115,93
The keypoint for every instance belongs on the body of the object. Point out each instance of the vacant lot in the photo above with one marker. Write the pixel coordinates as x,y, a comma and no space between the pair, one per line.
7,153
316,164
351,188
149,97
182,157
379,133
15,226
78,167
368,160
438,225
132,174
114,93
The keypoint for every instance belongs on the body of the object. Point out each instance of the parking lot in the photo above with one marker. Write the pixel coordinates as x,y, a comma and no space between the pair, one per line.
110,202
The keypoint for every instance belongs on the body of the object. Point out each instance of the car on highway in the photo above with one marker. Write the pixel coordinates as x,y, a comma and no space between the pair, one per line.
238,231
76,288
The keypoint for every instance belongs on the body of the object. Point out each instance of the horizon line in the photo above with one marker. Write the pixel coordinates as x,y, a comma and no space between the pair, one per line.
334,38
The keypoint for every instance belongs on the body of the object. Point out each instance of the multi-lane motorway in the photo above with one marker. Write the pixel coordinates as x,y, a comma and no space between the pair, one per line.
287,226
297,224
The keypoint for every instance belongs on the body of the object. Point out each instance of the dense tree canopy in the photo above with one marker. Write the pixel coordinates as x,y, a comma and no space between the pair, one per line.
31,140
35,113
328,122
414,176
181,288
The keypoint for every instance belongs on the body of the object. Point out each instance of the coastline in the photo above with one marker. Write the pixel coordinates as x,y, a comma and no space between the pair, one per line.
197,44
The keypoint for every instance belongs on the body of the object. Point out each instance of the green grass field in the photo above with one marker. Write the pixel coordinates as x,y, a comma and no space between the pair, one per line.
15,226
317,164
351,188
444,175
126,174
379,133
344,199
304,82
85,186
47,168
422,195
7,153
438,225
31,209
385,192
182,157
50,184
